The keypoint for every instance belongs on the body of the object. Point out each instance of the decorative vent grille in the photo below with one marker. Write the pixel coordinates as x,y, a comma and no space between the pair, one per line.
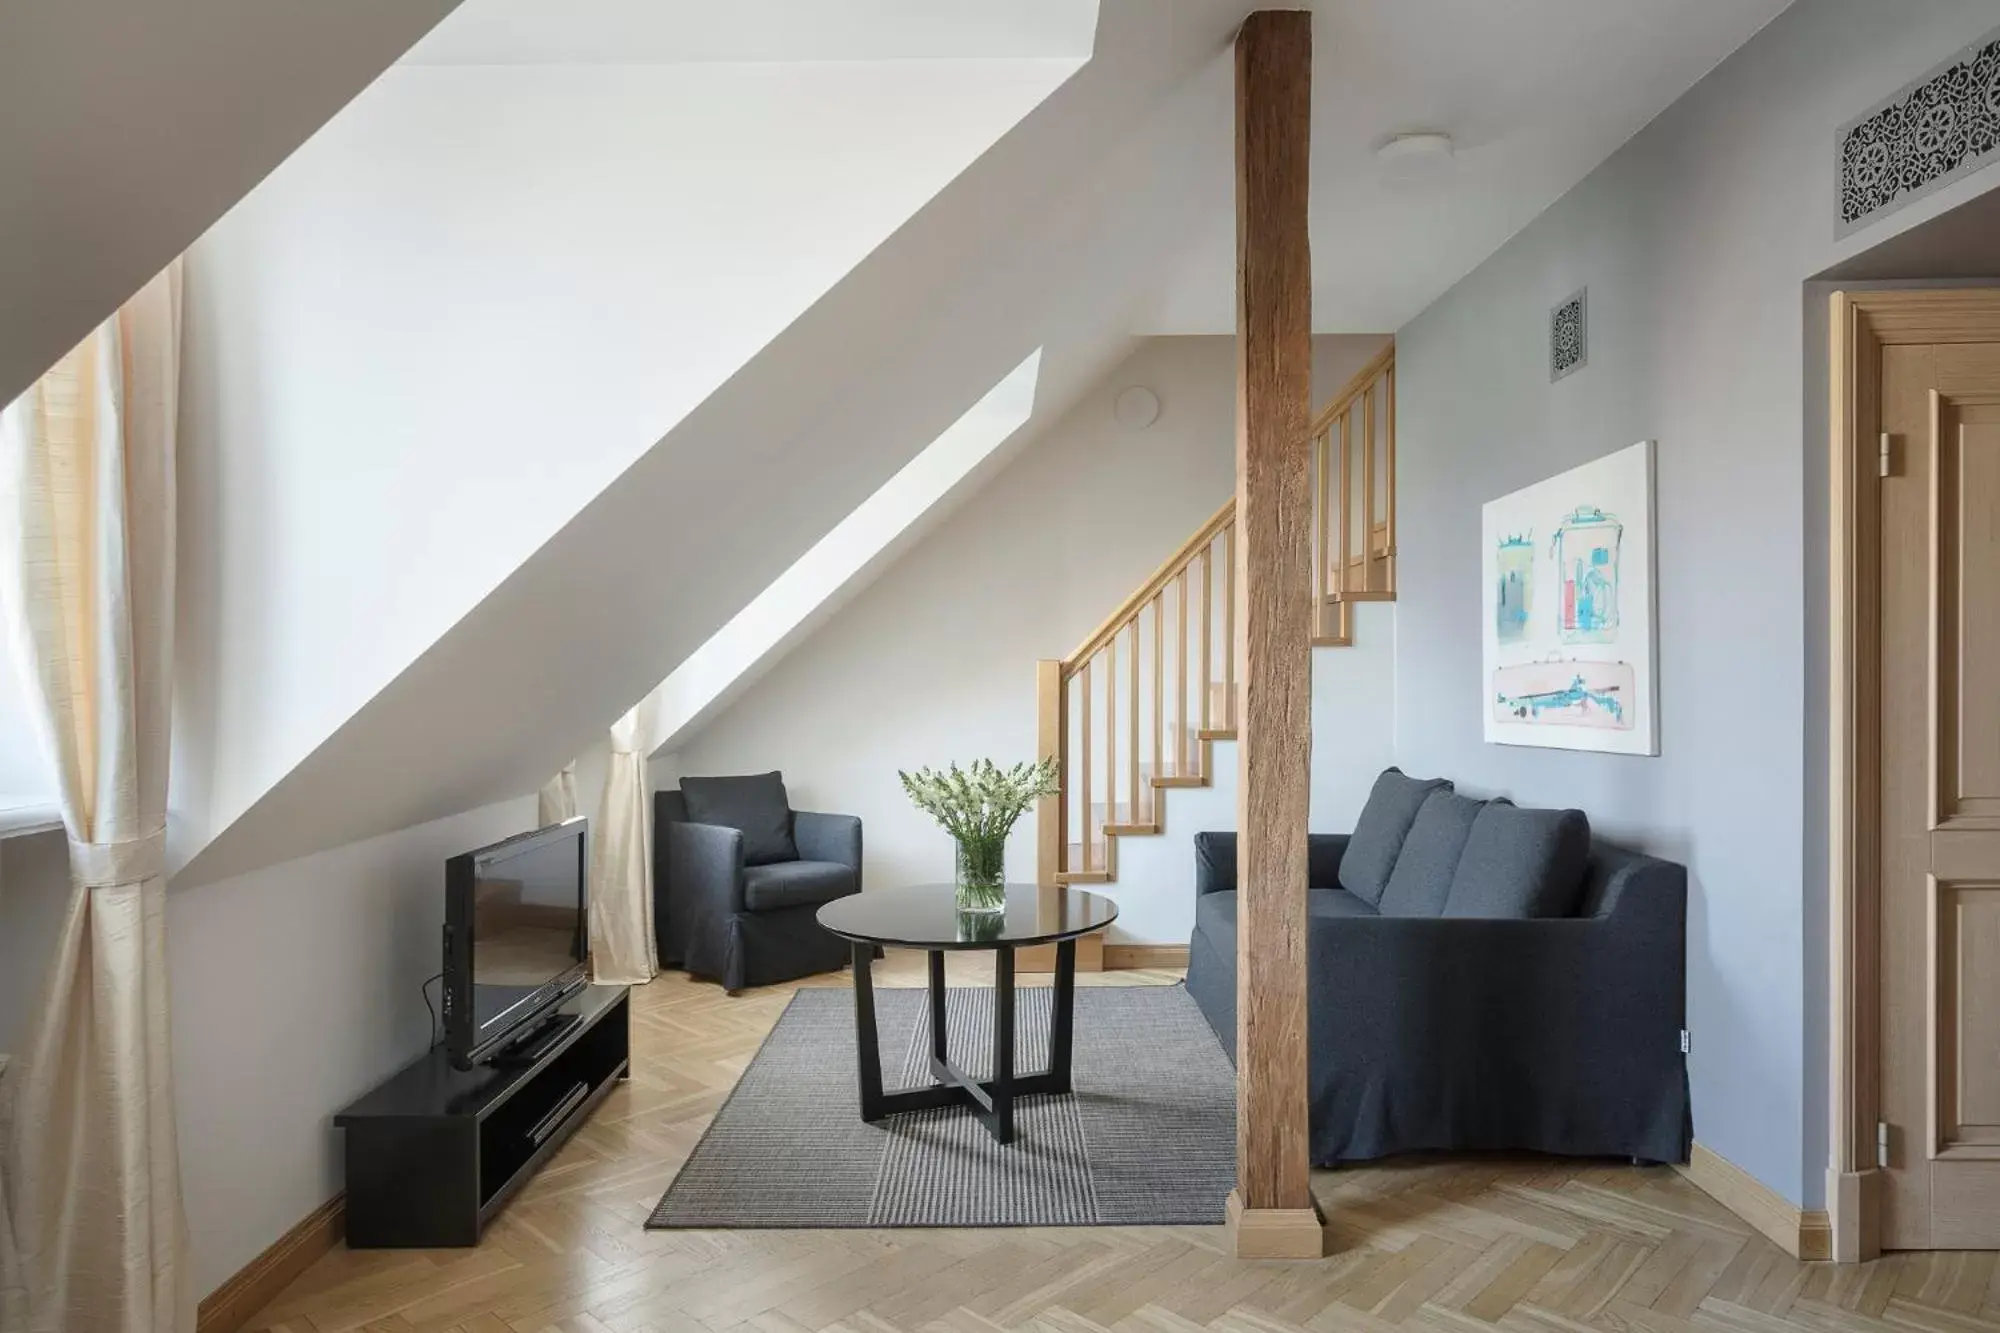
1569,336
1933,131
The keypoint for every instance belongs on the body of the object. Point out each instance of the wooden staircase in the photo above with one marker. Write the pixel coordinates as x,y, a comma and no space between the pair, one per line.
1136,710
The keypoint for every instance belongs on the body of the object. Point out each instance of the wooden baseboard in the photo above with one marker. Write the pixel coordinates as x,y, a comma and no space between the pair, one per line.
1042,957
230,1305
1145,955
1276,1233
1803,1233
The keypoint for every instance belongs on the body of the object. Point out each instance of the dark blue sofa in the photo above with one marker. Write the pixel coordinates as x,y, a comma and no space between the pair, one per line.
1441,1029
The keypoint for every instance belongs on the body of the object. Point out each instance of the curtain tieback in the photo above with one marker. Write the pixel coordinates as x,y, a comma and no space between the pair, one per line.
99,865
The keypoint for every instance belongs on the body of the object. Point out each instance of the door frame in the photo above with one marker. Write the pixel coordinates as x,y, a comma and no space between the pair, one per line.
1862,323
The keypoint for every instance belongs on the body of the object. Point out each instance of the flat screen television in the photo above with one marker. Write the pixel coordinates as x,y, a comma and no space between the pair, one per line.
515,939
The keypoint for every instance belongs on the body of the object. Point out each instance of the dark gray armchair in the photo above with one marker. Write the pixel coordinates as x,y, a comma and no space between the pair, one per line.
737,902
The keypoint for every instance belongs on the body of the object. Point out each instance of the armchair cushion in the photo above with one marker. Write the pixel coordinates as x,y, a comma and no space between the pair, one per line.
1421,881
768,888
757,805
1521,863
1378,835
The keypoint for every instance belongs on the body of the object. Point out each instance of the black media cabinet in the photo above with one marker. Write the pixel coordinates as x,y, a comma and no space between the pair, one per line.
435,1152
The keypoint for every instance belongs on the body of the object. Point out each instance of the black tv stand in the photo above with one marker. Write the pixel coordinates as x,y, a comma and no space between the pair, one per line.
434,1153
536,1042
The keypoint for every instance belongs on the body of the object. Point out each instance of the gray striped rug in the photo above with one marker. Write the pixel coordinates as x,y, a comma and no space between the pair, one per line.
1147,1139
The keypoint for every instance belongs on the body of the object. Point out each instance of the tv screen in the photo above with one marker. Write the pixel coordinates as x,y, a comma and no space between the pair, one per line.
516,936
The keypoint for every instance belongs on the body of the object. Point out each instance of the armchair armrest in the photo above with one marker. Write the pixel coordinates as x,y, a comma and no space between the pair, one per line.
704,866
835,838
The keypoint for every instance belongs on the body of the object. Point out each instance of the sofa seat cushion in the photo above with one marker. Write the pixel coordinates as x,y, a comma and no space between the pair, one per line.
757,806
1421,881
1325,904
1385,821
795,884
1215,914
1521,863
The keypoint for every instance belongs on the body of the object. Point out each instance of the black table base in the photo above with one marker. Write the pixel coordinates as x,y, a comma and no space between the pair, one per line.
992,1099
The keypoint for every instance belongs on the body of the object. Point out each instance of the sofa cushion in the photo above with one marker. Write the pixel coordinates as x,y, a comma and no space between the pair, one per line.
757,805
767,888
1215,914
1378,835
1521,863
1421,881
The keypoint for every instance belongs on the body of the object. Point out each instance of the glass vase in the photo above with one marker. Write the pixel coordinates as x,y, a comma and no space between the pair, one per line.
981,885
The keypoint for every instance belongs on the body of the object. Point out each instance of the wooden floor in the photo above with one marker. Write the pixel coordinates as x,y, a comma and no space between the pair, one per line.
1456,1246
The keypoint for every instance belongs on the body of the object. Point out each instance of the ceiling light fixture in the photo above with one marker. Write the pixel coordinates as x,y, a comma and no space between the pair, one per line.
1410,156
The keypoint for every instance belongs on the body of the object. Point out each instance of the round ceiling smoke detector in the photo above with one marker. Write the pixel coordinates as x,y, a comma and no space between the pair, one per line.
1415,156
1136,408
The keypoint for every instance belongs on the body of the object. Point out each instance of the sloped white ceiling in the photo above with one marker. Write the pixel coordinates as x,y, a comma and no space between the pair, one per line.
1534,94
1045,241
443,327
644,32
128,126
1103,213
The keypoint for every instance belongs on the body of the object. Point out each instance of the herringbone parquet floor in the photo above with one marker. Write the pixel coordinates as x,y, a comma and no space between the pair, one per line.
1436,1246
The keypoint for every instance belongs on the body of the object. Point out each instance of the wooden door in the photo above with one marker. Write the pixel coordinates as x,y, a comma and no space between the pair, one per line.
1940,793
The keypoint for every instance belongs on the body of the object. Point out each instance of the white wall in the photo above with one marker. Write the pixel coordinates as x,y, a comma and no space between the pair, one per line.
442,327
1353,739
294,990
934,662
1695,241
840,563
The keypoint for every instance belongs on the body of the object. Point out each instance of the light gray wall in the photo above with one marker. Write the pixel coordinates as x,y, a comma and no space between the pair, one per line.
934,662
1695,241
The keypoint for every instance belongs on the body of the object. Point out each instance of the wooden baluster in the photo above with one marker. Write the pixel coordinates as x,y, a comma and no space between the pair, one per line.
1051,813
1322,451
1083,749
1110,735
1389,454
1368,489
1346,501
1229,624
1159,698
1207,614
1138,816
1181,676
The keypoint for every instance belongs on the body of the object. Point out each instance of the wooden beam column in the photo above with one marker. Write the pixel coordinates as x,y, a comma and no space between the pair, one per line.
1271,1212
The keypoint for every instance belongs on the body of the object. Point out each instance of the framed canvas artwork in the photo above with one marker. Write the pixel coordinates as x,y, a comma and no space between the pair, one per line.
1569,659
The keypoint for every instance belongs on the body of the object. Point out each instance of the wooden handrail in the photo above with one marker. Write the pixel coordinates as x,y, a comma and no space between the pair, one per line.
1161,577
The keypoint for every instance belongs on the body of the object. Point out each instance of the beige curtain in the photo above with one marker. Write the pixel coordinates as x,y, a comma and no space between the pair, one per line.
87,587
556,801
622,951
13,1292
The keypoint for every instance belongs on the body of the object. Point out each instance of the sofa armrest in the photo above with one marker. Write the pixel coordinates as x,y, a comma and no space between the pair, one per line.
1215,861
835,838
704,864
1323,854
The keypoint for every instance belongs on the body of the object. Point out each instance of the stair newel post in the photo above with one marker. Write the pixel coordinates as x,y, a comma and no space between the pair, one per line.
1051,812
1271,1211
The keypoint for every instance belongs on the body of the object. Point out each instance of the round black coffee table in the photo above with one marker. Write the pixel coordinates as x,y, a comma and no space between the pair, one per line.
925,917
